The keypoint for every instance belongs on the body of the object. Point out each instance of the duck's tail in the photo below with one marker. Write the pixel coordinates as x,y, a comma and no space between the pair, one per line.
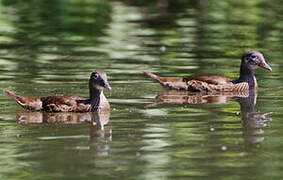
171,83
30,103
159,79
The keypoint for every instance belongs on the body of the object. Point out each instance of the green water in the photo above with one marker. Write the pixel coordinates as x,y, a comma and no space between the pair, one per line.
51,47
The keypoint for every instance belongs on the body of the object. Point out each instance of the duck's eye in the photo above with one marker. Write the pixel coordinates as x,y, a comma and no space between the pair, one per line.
253,56
95,76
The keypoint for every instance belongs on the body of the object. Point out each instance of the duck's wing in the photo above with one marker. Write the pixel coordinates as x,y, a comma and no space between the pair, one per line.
29,103
202,86
64,103
216,80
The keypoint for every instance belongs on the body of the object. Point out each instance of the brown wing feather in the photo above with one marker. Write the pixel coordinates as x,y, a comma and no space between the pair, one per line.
217,80
64,103
202,86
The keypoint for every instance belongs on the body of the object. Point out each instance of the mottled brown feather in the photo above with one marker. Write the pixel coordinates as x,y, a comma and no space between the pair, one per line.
201,86
63,103
217,80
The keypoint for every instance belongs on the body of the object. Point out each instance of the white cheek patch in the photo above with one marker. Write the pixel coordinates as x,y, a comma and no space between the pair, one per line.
99,87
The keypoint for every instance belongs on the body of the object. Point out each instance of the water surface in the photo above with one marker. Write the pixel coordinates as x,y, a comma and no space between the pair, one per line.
51,48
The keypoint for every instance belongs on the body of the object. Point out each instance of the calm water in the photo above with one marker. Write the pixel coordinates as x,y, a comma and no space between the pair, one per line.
51,48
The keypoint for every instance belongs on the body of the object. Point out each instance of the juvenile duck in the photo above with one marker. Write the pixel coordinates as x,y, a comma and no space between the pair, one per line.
64,103
251,60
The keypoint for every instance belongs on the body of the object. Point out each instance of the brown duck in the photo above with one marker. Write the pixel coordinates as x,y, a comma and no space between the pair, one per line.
251,60
64,103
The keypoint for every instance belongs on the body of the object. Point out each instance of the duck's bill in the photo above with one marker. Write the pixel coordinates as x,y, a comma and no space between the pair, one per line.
264,65
107,86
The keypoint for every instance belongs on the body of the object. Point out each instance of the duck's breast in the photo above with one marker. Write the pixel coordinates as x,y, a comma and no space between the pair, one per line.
103,104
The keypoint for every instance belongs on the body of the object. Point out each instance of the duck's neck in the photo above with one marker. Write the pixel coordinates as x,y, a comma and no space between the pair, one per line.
94,98
246,75
94,93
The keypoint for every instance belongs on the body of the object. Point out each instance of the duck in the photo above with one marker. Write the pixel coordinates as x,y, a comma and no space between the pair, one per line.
251,60
97,102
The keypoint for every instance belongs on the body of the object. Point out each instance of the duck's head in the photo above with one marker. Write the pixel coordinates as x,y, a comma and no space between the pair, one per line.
253,60
98,80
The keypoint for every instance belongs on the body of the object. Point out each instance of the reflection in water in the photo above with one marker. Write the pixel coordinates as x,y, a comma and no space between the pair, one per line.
186,97
98,135
45,117
252,121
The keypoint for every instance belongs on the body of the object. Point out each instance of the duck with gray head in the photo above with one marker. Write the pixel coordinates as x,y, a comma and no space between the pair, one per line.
64,103
251,60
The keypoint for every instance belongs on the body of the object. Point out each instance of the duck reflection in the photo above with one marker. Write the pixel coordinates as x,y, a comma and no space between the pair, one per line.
186,97
98,134
45,117
252,121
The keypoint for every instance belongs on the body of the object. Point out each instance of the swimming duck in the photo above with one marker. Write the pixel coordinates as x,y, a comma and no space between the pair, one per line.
64,103
251,60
